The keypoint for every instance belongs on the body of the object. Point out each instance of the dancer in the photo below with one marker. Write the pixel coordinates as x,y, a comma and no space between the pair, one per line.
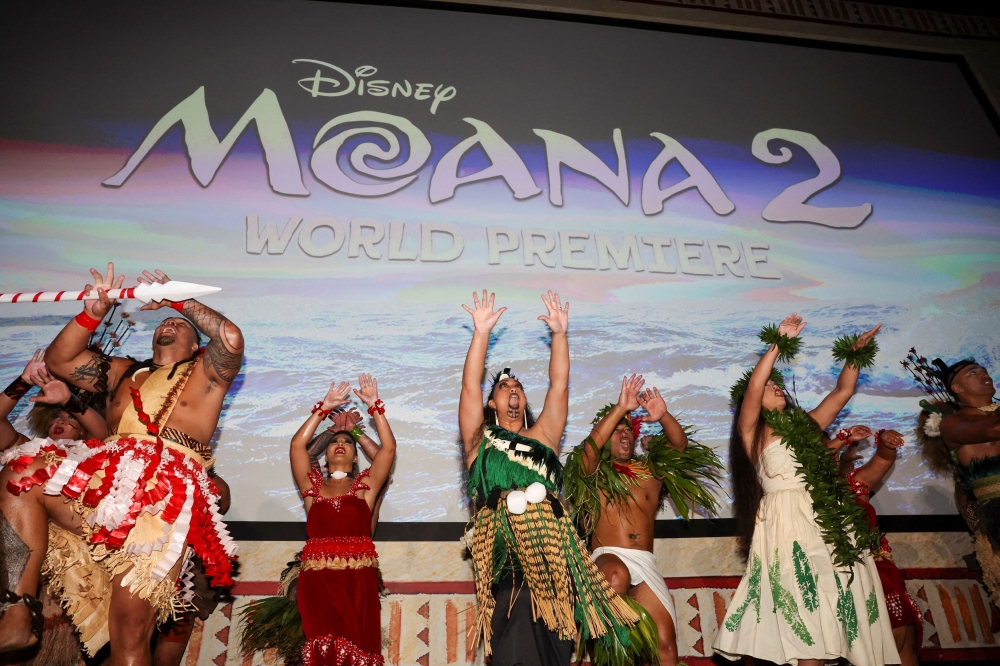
811,591
904,613
274,623
131,508
521,535
959,429
337,594
58,421
616,496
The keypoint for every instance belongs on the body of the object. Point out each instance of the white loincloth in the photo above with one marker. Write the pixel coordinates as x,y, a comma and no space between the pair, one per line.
642,568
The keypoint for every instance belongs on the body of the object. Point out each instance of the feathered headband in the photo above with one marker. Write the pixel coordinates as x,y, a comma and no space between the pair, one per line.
935,377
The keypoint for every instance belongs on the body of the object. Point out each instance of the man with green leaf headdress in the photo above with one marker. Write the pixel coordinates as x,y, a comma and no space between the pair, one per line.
616,495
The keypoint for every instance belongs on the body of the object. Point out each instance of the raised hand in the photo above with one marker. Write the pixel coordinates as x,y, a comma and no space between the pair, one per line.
159,278
336,396
346,419
99,308
654,404
54,391
628,399
483,316
35,366
858,433
866,337
368,389
558,317
791,325
890,439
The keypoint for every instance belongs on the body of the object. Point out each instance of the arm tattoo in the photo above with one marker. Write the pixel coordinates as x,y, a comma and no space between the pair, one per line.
14,554
225,362
93,372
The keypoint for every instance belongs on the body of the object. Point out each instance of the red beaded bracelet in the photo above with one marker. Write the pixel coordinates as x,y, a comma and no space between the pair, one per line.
878,437
88,322
379,407
844,434
318,407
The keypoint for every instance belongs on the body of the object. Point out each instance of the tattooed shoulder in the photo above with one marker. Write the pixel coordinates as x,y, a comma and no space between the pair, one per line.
225,363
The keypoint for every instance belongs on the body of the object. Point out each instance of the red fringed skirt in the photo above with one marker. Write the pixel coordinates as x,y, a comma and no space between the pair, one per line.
338,594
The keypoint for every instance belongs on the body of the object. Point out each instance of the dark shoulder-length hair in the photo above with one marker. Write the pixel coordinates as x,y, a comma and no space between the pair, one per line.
747,491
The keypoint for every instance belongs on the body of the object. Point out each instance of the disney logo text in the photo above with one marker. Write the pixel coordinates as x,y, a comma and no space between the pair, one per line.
344,83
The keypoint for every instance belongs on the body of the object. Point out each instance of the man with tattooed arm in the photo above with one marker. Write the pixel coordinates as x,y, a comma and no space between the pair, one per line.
126,515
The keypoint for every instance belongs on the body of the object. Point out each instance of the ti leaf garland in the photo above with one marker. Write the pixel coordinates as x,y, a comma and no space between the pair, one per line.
686,476
841,519
739,389
787,347
859,359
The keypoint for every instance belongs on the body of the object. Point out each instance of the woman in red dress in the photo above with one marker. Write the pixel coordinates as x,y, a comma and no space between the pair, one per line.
338,587
904,614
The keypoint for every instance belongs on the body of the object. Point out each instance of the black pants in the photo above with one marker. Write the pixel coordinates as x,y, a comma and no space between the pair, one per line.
517,639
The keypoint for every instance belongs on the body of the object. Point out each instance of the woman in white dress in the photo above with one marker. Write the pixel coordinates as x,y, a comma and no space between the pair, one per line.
811,592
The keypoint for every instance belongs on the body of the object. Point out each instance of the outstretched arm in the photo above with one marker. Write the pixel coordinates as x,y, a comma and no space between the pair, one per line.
552,420
12,395
68,356
381,466
847,436
656,410
599,436
828,410
873,471
470,403
224,351
959,429
299,455
750,411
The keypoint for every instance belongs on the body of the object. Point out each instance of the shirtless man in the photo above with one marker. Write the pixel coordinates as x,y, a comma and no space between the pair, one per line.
622,541
162,414
972,434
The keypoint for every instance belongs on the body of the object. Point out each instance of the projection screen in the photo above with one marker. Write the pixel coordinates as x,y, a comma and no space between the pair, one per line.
349,174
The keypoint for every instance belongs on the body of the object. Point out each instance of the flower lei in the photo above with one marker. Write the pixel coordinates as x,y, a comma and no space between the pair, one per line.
685,475
841,520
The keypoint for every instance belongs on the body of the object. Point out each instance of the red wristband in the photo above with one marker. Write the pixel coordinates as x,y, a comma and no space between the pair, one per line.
878,437
378,407
323,413
88,322
844,434
178,305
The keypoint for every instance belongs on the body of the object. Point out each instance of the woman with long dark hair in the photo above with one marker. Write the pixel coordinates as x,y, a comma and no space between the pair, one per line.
811,591
338,595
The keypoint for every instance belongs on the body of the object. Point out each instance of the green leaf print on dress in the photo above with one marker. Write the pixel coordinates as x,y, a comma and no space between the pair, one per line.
753,596
846,611
785,602
805,578
872,604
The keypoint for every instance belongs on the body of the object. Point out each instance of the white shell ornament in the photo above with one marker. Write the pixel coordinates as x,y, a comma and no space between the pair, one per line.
517,502
535,492
338,475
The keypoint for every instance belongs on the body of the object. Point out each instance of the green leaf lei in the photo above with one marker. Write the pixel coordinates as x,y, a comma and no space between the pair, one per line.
739,389
843,350
841,519
685,476
787,347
